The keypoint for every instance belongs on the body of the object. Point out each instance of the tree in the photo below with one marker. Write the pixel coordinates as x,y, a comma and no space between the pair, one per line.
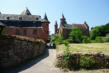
106,28
94,33
57,39
75,35
99,31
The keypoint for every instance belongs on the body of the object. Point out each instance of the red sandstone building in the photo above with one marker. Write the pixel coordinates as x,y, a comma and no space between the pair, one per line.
26,24
65,29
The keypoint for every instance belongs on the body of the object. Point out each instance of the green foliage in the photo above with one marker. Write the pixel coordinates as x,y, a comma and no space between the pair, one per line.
75,36
94,33
85,39
107,38
87,62
57,39
3,32
99,40
66,60
106,27
66,43
99,31
67,55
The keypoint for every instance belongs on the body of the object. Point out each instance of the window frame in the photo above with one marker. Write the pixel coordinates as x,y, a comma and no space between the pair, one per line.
34,31
25,32
17,32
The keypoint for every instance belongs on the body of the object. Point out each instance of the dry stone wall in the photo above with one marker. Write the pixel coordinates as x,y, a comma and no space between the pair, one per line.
101,60
14,51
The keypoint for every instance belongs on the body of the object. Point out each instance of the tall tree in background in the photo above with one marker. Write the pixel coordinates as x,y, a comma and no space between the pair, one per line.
75,36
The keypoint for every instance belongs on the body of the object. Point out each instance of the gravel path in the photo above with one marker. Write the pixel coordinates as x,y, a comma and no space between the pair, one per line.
43,64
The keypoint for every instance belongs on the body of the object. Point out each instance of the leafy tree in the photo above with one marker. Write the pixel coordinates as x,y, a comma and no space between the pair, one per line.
100,31
106,27
75,36
94,33
57,39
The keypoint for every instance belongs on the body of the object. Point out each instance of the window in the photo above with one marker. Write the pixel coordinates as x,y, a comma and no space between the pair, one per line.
17,32
20,18
35,32
7,18
25,32
37,19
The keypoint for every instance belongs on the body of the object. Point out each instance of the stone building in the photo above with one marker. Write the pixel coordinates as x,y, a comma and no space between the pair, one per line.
65,29
26,24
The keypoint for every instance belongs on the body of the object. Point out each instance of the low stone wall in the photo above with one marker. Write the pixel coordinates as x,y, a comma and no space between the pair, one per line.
101,60
16,50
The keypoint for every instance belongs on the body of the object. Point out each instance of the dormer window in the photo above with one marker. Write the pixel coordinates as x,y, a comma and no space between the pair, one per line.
37,19
20,18
8,18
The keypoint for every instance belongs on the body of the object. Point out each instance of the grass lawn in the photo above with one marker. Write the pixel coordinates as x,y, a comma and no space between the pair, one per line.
86,48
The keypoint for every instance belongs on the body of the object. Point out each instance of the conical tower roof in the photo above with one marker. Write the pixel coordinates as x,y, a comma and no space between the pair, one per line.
26,12
45,17
56,23
63,16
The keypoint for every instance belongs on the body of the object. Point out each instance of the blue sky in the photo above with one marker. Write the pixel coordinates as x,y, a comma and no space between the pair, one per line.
94,12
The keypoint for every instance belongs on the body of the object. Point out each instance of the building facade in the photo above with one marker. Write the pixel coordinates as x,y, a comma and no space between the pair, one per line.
26,24
65,29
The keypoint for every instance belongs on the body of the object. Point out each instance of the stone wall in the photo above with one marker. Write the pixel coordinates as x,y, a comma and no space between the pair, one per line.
16,50
101,60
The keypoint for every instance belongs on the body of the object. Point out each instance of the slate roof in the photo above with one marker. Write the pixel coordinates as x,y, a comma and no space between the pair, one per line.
68,26
45,19
20,17
21,23
25,19
71,26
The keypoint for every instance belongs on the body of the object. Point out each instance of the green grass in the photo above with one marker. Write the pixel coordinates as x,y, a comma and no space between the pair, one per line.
86,48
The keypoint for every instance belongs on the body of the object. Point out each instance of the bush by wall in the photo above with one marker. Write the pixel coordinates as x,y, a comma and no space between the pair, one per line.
87,61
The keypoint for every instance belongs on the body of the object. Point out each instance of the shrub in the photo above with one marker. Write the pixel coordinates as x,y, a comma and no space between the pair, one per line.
99,40
85,39
107,38
3,32
87,62
68,62
66,50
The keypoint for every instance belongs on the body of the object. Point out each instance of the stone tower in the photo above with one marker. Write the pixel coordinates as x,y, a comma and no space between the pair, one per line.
56,27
